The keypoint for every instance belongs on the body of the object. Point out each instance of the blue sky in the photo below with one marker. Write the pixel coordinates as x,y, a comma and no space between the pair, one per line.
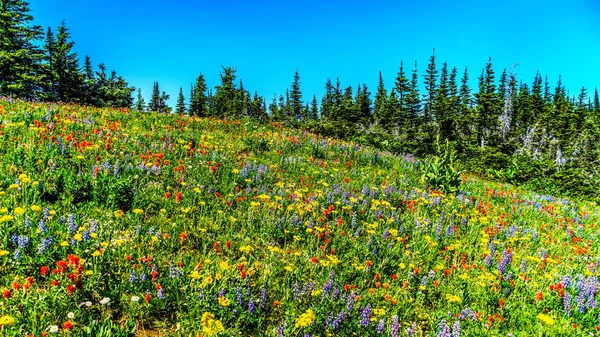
173,41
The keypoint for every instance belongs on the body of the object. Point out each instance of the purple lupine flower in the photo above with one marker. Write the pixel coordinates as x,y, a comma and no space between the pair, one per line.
132,277
262,302
456,329
395,328
350,303
46,242
22,241
467,313
365,316
567,303
328,286
385,234
27,222
42,227
72,226
381,327
444,329
524,266
239,298
17,254
450,231
251,306
280,330
174,272
505,261
161,294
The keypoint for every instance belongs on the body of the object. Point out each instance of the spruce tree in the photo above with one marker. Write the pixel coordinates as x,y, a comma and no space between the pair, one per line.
21,72
327,101
363,104
198,102
487,107
430,88
379,105
155,104
296,99
225,94
402,86
314,109
441,104
65,66
451,119
596,102
274,109
140,104
465,111
180,107
537,99
413,105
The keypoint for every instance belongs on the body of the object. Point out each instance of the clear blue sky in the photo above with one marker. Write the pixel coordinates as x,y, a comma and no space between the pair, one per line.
173,41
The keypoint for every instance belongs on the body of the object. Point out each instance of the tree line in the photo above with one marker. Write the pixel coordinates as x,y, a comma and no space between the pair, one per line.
43,66
519,131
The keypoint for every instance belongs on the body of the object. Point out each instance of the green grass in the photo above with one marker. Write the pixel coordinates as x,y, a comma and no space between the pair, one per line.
217,227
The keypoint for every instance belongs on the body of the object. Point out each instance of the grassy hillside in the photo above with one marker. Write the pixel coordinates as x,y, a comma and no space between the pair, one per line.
114,223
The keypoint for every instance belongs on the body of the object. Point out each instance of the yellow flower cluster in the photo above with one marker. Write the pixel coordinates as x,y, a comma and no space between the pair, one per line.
210,325
305,319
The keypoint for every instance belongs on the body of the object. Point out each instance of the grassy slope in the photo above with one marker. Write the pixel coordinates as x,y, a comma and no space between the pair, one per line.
245,227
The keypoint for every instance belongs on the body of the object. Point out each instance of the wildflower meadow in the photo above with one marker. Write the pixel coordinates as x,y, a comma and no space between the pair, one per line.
122,223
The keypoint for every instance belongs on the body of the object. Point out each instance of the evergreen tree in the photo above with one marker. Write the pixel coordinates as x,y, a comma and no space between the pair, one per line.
65,67
502,86
257,109
402,87
180,107
465,111
21,72
155,104
296,99
379,106
487,107
225,94
198,102
413,104
363,104
314,109
430,88
451,120
441,105
274,109
327,101
140,103
241,105
522,119
164,97
596,102
537,99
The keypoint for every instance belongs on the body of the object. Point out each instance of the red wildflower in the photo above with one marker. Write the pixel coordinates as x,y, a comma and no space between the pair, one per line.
147,297
44,270
70,289
16,285
6,293
539,296
67,325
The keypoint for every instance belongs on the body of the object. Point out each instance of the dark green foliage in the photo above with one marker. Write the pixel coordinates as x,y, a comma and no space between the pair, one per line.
21,71
180,107
296,99
140,104
440,171
225,94
198,99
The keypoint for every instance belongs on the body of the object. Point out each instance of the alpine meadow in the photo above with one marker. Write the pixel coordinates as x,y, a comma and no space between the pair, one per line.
423,207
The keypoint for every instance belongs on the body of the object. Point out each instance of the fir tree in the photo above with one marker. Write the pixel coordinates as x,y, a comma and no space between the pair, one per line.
441,105
379,106
21,72
198,102
180,107
314,109
140,104
225,94
65,66
413,104
327,101
402,87
596,102
155,104
465,111
430,88
296,99
487,107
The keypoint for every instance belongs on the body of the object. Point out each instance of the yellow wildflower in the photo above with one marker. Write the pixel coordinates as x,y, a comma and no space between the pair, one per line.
19,211
224,301
545,319
6,320
305,319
